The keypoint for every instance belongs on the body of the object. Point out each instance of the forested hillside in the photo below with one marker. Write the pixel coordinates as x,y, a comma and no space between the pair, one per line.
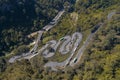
101,59
19,18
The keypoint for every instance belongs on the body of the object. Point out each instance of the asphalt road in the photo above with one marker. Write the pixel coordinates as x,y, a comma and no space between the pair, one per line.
74,61
111,14
72,42
63,49
32,52
69,44
77,58
46,28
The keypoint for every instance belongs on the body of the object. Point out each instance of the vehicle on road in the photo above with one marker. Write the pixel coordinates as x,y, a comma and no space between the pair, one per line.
75,60
62,39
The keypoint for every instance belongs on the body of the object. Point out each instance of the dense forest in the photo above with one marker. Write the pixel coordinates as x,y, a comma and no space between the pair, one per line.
19,18
101,59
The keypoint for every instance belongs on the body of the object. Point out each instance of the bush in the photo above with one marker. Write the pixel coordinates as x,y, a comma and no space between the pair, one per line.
21,49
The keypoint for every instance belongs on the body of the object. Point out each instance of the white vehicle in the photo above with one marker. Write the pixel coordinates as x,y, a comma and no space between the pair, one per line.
75,60
74,49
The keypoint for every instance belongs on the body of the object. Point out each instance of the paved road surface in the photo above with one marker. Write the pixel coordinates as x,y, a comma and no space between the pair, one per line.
110,15
63,49
68,43
71,42
46,28
32,53
75,60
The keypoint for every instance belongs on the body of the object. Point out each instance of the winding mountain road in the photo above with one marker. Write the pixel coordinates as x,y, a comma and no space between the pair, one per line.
72,42
67,44
76,59
32,52
82,49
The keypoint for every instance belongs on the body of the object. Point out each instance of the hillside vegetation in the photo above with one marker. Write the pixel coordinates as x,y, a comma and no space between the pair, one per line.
19,18
101,59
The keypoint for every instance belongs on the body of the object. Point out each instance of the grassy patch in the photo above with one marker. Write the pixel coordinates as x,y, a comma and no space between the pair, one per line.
58,57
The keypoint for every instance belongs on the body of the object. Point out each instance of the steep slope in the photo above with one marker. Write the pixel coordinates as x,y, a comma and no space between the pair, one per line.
100,60
19,18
